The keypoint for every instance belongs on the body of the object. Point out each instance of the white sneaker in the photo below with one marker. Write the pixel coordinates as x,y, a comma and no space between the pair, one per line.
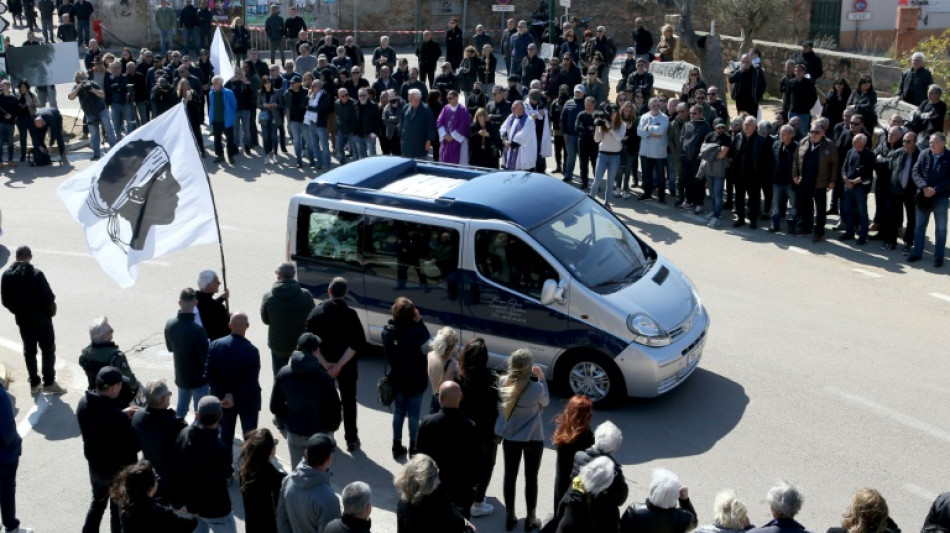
20,530
709,215
714,223
483,509
625,195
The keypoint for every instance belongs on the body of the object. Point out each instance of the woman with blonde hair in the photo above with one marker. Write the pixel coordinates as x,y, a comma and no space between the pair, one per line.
524,395
443,362
867,513
730,515
240,40
667,44
423,506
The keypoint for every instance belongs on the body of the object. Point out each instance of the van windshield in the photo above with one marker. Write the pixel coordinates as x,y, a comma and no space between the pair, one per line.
594,246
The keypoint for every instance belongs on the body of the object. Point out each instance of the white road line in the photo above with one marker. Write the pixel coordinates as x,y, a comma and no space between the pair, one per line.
867,273
11,345
88,256
39,407
925,494
940,296
798,250
896,416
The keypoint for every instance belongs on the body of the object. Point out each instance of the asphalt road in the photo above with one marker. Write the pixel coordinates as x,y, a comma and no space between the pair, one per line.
826,364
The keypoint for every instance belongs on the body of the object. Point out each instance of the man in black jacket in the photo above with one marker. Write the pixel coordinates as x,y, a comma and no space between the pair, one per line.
189,27
643,41
346,119
753,165
900,195
914,81
109,443
304,399
157,427
572,108
748,86
27,294
784,190
205,18
233,372
214,315
428,53
203,468
532,67
188,343
293,25
368,122
694,133
450,440
343,338
800,97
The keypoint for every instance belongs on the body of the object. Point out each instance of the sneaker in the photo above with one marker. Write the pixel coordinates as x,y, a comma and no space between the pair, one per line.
20,529
399,450
938,262
846,237
738,223
709,216
698,210
353,444
714,223
753,224
686,206
644,197
95,157
817,238
616,192
625,196
482,509
54,388
36,389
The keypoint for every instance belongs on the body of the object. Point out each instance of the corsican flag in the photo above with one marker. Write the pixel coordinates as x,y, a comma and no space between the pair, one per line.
149,196
220,59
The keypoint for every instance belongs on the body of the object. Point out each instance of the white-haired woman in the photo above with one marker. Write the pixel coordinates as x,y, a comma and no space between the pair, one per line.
607,440
102,352
587,508
423,506
730,515
785,501
659,513
443,362
524,395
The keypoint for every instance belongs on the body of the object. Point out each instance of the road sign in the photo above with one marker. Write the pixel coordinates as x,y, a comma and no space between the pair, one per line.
503,8
854,15
860,5
565,3
503,2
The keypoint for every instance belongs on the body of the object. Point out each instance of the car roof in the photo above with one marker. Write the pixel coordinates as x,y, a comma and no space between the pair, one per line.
523,198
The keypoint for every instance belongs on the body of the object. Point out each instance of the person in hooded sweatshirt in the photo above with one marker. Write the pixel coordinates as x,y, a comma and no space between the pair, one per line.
307,502
203,469
304,398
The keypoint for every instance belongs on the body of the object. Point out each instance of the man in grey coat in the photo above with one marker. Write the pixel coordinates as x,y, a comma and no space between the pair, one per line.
285,309
307,502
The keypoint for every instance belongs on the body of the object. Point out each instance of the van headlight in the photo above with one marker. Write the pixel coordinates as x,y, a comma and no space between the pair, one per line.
646,331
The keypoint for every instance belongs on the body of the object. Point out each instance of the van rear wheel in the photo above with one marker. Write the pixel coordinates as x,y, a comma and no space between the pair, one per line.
593,375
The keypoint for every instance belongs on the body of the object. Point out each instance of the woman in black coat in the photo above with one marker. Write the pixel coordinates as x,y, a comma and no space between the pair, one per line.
403,341
240,40
835,102
573,434
194,107
454,44
480,405
484,142
134,490
423,506
260,481
864,100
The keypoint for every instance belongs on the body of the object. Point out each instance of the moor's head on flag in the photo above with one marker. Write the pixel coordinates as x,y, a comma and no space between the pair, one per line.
135,191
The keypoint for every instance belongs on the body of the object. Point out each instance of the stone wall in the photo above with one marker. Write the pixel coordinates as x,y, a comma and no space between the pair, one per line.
836,64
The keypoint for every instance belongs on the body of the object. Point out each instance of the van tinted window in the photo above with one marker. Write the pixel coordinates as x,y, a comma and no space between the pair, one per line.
328,235
509,261
408,251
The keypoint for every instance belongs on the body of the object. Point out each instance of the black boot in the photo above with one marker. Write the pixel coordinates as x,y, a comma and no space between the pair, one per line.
412,448
398,449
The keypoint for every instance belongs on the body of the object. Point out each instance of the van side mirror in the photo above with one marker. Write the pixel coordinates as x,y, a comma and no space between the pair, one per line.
550,292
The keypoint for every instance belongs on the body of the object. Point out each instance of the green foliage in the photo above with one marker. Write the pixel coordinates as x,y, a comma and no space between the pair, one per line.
936,50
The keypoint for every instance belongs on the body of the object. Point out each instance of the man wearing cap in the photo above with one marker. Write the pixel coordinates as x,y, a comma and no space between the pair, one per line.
343,339
203,468
233,373
109,444
568,126
304,398
307,503
641,80
428,53
284,309
157,428
188,343
27,294
532,66
811,60
102,351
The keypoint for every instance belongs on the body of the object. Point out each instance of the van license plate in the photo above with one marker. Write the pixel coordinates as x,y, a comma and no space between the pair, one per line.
695,353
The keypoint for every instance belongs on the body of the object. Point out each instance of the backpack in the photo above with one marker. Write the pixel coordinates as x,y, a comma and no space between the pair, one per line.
39,158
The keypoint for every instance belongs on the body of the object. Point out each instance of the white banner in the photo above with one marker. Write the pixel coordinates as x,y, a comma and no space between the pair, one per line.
220,59
148,197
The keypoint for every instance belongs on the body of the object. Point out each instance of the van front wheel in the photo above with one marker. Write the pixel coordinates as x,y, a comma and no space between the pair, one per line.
595,376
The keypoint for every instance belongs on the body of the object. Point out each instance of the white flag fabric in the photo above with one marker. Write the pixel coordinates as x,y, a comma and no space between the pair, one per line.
148,197
220,59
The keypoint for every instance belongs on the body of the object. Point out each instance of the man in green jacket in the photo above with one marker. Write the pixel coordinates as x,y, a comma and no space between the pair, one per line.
285,309
102,352
165,20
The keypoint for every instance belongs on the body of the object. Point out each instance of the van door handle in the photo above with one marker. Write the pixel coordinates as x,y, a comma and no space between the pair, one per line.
453,290
475,293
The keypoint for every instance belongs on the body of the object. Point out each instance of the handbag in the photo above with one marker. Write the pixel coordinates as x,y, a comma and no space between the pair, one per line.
384,390
264,115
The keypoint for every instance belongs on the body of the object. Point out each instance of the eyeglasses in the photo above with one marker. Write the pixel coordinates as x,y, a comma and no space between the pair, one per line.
693,113
856,123
815,132
908,141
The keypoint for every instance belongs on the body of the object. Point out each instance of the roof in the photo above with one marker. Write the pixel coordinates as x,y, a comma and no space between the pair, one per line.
524,198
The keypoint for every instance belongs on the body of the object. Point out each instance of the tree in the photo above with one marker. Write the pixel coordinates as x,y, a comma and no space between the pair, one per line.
750,15
707,49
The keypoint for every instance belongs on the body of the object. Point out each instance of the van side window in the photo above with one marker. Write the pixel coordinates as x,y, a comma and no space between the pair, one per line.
408,251
328,234
509,261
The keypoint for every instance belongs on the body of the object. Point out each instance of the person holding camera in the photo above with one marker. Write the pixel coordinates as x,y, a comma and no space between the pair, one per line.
92,100
609,134
163,96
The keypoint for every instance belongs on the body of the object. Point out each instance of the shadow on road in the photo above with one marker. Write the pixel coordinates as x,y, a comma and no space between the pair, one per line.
59,422
4,255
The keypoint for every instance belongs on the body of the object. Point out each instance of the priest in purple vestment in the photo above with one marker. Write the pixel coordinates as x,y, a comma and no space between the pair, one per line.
453,125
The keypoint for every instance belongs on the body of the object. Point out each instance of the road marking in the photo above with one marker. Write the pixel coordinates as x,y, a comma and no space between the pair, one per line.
798,250
896,416
86,255
940,296
927,495
867,273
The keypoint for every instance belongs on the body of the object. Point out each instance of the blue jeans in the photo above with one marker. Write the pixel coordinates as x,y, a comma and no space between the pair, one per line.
607,163
190,37
670,174
570,144
122,112
628,166
165,37
341,140
242,128
297,132
319,145
805,121
653,175
405,405
49,35
190,395
716,184
782,195
229,418
106,121
361,146
82,29
6,138
225,524
940,232
8,495
269,135
855,211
